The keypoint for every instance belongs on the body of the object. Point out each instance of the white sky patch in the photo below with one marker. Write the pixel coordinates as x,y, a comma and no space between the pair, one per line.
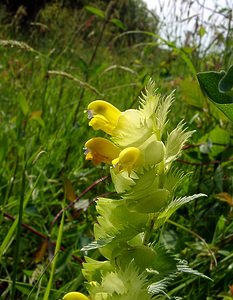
181,19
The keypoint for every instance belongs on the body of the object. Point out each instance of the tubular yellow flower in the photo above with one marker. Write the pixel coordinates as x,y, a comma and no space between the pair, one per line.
128,159
101,150
75,296
103,115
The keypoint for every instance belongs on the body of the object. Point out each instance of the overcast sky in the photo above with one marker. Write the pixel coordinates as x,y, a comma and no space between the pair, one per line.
178,17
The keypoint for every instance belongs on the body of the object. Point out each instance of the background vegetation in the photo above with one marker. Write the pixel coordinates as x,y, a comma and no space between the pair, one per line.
56,57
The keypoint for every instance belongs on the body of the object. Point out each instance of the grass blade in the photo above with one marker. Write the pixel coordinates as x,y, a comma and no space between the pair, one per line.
57,249
8,238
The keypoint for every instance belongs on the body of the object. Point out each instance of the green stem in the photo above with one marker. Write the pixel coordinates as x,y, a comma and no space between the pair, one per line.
149,229
57,249
16,253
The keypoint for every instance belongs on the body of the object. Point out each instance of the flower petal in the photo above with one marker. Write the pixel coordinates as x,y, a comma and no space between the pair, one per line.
131,130
101,150
128,159
75,296
103,115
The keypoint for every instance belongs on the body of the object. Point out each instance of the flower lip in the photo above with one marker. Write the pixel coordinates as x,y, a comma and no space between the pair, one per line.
129,159
99,150
103,115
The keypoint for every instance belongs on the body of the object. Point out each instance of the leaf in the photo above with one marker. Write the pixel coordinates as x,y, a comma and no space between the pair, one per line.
23,104
23,288
96,11
183,267
159,286
53,263
217,87
115,220
118,23
81,63
226,83
191,93
219,229
173,206
165,263
10,234
97,244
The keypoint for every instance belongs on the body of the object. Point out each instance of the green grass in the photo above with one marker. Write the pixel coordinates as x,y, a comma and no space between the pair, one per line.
46,84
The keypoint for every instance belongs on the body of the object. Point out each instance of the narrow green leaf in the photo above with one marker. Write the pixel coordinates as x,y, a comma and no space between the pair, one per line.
18,232
118,23
219,229
23,104
9,237
96,11
57,249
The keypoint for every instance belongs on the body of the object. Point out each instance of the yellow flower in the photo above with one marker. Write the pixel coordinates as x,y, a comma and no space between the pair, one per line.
129,159
103,116
75,296
101,150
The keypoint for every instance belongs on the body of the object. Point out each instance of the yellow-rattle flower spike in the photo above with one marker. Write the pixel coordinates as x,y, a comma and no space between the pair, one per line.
103,115
100,150
75,296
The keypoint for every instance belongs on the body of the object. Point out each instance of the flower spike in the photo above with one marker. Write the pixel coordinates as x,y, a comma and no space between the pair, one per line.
141,155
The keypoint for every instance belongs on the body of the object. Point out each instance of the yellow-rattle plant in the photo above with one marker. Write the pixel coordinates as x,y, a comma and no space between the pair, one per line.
140,154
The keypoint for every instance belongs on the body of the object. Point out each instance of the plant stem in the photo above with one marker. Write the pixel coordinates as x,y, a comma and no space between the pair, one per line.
149,229
57,249
16,253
